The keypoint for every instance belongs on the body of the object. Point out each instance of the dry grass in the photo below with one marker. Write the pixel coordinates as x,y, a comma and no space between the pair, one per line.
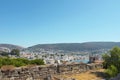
90,75
31,66
7,68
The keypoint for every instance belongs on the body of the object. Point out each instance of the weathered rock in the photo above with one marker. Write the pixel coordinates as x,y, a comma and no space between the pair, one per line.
46,73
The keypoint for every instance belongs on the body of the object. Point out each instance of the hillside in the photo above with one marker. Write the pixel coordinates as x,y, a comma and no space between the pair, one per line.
10,46
66,47
88,46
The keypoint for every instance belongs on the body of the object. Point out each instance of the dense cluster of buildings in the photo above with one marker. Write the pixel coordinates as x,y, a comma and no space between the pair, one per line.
59,56
53,58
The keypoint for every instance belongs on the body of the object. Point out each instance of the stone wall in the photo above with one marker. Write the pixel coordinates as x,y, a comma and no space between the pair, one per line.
45,72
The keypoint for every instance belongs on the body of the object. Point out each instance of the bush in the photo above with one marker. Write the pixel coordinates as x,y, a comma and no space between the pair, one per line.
17,62
37,62
112,71
20,62
6,61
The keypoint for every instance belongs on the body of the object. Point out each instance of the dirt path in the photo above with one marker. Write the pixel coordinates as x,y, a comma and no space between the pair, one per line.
90,75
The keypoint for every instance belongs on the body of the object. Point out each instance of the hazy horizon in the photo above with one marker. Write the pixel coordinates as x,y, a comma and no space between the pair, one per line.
58,43
28,22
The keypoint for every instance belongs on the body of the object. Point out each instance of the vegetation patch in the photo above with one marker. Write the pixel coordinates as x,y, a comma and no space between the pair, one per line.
112,62
18,62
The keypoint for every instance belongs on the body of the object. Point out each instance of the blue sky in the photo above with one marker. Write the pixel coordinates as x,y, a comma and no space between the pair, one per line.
30,22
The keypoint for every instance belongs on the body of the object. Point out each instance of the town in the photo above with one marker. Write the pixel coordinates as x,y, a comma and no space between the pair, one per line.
54,57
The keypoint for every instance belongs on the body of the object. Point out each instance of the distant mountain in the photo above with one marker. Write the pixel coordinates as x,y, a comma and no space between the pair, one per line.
74,47
10,46
94,47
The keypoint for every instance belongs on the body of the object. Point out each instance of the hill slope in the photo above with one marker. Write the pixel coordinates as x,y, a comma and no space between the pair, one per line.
88,46
10,46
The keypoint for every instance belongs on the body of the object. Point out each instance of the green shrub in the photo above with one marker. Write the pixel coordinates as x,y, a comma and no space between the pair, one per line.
112,71
37,62
19,62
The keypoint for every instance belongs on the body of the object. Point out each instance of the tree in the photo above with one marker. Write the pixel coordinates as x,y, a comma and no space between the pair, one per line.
112,61
106,58
15,52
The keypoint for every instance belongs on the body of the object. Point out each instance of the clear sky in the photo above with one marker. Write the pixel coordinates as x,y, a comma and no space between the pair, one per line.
31,22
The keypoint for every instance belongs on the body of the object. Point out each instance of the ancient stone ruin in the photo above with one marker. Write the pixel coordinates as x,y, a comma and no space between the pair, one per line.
46,72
